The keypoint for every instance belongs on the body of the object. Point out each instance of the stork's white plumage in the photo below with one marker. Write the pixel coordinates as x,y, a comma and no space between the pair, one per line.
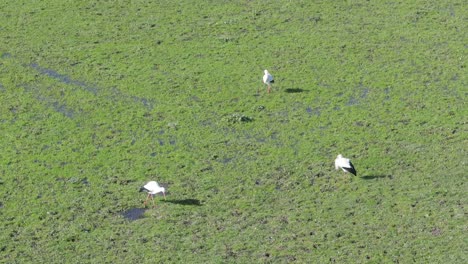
344,164
152,188
268,80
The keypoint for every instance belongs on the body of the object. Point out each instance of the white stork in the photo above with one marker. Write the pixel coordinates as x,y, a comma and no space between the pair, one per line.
344,164
152,188
268,80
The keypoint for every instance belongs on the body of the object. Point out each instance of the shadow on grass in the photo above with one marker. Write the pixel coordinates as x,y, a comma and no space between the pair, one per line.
195,202
373,177
295,90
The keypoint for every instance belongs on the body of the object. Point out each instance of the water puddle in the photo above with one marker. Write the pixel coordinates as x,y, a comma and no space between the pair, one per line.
134,214
146,102
224,160
63,109
313,111
51,102
161,143
355,100
116,94
365,93
352,101
387,93
63,78
5,55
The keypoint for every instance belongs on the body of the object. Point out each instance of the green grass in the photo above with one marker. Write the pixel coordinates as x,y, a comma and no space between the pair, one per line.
96,98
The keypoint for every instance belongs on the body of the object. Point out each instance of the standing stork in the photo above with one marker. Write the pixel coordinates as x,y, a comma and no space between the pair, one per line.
152,188
268,80
344,164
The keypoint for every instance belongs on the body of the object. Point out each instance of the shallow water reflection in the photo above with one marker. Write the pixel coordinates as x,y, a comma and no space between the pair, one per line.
134,214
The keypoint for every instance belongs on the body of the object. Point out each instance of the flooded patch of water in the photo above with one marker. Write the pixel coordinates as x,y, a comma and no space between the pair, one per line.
355,99
364,93
6,55
51,102
313,111
116,94
63,109
146,102
226,160
387,91
134,214
161,143
63,78
352,101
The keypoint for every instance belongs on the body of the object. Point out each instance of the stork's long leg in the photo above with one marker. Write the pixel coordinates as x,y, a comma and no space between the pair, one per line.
152,198
146,199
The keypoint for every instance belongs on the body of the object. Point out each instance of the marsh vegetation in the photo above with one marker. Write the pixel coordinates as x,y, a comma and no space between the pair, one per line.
99,97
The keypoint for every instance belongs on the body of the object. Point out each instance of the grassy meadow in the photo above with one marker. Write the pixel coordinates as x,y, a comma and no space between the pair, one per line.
99,97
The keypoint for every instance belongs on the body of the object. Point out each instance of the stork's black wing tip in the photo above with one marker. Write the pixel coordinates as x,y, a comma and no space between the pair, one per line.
352,170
